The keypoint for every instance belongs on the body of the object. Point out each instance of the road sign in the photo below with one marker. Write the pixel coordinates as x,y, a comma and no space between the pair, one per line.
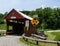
35,22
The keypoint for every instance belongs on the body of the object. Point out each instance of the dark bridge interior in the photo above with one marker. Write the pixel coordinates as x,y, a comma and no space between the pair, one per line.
17,27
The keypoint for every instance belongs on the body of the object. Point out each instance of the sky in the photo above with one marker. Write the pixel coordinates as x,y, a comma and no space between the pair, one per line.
7,5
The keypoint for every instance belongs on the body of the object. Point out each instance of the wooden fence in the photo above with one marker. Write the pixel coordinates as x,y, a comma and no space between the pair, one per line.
40,40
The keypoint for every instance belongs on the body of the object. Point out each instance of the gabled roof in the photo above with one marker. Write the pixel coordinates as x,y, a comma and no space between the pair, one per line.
25,16
20,14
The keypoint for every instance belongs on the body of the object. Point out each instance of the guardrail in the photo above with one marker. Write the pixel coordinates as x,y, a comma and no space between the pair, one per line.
39,37
40,40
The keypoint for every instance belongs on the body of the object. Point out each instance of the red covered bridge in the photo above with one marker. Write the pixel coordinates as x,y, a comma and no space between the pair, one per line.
16,23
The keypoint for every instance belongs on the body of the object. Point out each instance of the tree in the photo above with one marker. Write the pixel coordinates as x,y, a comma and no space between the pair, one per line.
1,18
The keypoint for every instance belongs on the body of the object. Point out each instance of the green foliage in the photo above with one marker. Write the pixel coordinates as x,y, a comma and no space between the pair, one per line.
49,18
2,17
25,12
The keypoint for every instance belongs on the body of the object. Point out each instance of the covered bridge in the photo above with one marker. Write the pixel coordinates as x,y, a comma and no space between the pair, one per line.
16,23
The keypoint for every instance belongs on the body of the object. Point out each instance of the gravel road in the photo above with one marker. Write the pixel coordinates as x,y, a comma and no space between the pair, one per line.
11,41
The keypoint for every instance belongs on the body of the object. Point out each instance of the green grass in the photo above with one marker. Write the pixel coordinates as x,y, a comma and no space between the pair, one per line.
50,35
57,36
53,36
2,29
2,26
30,43
33,43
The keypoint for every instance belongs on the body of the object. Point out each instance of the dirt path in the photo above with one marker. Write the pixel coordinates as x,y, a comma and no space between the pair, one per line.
10,41
54,31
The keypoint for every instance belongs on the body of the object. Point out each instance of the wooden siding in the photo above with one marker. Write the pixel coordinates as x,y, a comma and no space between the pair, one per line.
14,13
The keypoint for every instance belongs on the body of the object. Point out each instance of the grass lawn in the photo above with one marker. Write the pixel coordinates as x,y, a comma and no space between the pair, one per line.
57,36
30,43
50,36
2,26
53,36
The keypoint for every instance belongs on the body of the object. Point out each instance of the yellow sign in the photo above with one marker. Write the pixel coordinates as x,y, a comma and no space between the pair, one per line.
35,22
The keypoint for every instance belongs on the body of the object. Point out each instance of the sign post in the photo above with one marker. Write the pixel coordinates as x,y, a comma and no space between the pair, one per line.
34,23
